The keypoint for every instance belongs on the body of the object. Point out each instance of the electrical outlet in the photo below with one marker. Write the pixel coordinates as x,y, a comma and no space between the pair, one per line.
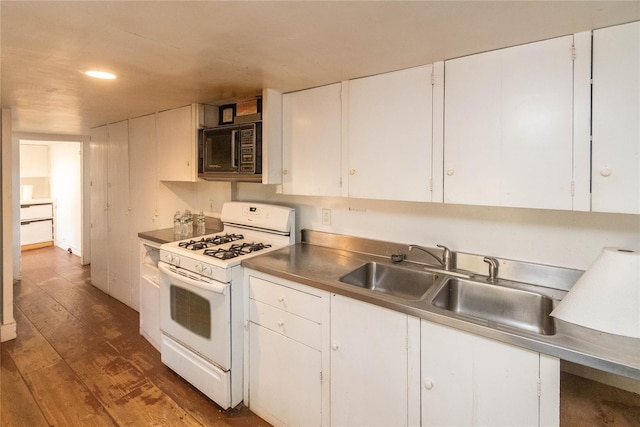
326,216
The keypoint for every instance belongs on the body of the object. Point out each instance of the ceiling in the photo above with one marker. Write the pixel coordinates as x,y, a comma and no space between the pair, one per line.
168,54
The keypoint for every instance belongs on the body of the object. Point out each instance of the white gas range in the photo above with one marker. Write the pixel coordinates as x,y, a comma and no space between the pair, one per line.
201,296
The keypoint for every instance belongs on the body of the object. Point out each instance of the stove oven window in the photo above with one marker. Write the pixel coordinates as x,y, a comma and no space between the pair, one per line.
191,311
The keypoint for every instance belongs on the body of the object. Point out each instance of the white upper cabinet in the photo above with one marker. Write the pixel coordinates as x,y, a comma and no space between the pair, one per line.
389,127
312,142
509,126
616,118
177,139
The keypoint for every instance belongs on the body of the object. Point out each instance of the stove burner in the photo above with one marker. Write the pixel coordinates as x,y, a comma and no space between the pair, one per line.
204,243
235,250
247,248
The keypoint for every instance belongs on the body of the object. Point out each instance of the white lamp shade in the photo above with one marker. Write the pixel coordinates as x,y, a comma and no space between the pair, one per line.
607,296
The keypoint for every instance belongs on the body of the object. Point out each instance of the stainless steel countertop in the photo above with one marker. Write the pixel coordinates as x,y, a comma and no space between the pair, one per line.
165,235
321,267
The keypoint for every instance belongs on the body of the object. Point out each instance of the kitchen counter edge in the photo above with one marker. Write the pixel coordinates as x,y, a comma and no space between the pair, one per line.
321,267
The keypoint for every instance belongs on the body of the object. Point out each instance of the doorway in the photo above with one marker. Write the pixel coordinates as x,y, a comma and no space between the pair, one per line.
51,180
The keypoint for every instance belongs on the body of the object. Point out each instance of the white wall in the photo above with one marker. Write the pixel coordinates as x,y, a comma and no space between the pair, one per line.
199,196
66,189
561,238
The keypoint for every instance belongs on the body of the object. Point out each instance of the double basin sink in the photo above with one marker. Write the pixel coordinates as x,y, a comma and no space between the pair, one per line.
477,300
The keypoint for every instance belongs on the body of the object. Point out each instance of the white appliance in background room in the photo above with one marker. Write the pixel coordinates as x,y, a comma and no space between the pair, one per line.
201,305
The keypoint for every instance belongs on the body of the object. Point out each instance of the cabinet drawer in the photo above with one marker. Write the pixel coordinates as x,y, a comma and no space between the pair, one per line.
288,299
36,232
28,212
287,324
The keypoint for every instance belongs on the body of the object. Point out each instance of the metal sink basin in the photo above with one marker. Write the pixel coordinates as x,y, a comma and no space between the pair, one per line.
515,308
397,281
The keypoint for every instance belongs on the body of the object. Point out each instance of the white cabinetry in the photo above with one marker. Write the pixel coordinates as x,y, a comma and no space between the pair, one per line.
311,134
288,324
177,138
390,145
374,365
149,292
98,205
509,126
470,380
616,113
36,224
110,212
368,138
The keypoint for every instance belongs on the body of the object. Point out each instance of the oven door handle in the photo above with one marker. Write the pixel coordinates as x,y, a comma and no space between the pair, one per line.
209,286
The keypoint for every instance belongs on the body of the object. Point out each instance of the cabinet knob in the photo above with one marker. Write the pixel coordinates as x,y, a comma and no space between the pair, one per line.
605,172
285,172
428,384
450,172
334,347
281,323
280,299
352,171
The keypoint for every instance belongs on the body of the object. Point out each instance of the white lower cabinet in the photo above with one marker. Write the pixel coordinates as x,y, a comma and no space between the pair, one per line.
314,358
287,370
374,365
468,380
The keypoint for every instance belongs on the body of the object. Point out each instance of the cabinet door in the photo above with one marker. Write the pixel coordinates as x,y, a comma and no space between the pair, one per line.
311,135
390,135
509,127
471,380
176,136
372,368
143,190
284,379
616,112
118,211
98,205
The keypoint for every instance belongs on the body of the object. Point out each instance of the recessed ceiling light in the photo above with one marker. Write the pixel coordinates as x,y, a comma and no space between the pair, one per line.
100,75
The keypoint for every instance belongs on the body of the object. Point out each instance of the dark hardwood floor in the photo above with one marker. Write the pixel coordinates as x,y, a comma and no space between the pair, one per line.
79,359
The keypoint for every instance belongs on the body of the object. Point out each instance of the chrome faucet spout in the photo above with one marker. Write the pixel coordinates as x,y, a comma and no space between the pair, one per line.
493,268
445,261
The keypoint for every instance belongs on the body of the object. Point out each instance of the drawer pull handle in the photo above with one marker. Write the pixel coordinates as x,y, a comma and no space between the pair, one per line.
280,322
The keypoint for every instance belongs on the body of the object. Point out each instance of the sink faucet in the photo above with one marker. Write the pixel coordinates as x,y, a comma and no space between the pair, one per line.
493,268
445,261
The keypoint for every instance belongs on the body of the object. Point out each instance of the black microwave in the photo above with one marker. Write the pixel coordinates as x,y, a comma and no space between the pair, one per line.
230,150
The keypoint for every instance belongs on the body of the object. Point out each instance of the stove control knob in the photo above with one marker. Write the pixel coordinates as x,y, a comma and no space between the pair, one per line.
176,260
199,268
168,258
207,270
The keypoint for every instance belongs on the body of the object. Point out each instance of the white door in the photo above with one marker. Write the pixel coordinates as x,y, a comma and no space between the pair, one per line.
372,365
98,207
389,119
143,190
616,114
119,245
284,378
509,127
311,138
177,144
474,381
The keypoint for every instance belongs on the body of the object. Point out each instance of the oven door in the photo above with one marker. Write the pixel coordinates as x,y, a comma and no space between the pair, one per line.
197,314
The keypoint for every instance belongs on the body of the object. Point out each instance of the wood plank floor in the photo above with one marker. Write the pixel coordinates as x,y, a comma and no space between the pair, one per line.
79,359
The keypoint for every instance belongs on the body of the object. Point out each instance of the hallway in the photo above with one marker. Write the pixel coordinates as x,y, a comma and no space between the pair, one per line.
79,359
